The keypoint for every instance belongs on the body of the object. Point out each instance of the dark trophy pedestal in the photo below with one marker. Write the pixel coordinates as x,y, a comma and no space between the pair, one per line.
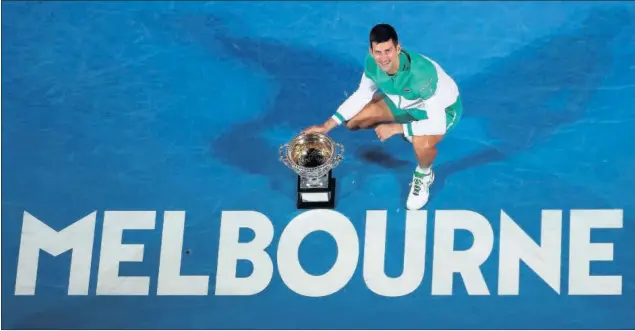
317,197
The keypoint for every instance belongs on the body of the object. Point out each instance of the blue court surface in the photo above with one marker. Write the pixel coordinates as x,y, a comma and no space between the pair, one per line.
142,186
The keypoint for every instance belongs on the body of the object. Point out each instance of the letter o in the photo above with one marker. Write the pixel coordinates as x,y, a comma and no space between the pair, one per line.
291,271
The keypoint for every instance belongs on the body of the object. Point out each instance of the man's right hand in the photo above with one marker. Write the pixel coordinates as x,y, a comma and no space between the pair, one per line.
322,128
316,128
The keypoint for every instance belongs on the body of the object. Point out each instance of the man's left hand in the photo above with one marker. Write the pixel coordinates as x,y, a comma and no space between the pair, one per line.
385,131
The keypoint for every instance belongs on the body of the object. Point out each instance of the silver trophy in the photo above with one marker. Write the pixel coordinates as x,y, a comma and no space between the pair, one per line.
312,157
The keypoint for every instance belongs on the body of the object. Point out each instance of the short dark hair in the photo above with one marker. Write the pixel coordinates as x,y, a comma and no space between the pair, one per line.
382,33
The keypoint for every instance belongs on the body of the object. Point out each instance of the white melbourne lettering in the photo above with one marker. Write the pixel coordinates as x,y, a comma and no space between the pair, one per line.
517,246
113,252
77,238
230,251
170,281
375,254
291,271
582,251
467,263
514,246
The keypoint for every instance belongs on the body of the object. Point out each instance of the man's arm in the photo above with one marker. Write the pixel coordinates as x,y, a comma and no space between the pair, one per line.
350,107
356,102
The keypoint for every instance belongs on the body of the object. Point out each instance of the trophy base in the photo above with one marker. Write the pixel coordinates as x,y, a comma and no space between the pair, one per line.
320,197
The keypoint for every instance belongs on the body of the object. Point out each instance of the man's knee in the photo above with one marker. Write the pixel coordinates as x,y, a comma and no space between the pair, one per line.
362,119
352,124
371,115
426,142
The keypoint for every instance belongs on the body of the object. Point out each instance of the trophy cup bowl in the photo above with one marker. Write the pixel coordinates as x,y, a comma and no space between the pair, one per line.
312,156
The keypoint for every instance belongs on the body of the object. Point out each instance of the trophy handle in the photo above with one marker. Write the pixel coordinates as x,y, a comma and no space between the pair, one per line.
338,156
283,155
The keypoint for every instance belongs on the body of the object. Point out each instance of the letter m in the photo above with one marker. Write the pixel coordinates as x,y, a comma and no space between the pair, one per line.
77,237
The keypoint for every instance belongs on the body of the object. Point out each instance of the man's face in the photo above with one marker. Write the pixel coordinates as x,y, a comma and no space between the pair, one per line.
386,55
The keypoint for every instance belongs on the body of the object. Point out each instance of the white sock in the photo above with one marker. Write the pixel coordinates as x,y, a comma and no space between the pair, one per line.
424,171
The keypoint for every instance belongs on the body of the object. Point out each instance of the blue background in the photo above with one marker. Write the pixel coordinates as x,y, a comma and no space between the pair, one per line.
182,106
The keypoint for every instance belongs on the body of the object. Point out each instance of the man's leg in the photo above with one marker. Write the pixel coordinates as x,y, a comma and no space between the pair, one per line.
425,149
375,112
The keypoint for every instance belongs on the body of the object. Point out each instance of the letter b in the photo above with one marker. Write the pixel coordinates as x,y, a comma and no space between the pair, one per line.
230,251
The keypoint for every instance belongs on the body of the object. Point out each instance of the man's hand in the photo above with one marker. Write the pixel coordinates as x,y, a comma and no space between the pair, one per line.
385,131
323,128
316,128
